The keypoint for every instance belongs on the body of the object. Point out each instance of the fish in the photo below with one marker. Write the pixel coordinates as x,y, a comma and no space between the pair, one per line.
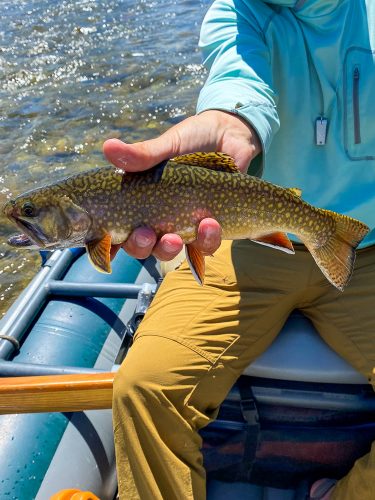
100,207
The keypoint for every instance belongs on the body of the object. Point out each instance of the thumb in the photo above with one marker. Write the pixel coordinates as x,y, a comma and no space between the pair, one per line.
210,131
138,156
179,139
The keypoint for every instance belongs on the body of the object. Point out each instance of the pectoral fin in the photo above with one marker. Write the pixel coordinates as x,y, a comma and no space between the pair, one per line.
195,260
99,253
277,240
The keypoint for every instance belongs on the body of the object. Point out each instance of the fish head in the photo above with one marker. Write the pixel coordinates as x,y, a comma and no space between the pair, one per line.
48,219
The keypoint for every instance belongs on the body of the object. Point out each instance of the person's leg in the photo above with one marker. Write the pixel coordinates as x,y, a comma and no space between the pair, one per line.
190,348
359,484
346,321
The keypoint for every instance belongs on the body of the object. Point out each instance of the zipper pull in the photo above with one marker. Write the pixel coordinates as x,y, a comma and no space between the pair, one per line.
321,125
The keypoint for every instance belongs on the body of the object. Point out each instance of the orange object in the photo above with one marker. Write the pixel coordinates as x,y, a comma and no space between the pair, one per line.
74,494
56,393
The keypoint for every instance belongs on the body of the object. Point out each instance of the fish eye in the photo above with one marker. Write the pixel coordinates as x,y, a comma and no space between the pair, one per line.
28,209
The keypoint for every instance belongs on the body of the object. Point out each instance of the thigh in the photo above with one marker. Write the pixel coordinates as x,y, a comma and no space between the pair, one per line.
346,320
227,323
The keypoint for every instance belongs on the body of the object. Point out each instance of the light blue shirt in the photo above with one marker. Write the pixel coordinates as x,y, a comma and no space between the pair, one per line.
301,72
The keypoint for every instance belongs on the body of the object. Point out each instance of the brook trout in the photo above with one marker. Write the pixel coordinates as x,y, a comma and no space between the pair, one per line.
102,206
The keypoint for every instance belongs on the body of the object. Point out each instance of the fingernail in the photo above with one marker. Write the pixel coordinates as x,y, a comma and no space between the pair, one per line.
122,161
170,247
210,234
143,241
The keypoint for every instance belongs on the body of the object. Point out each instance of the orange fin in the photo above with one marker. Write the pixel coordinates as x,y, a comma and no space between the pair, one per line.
99,252
195,260
277,240
214,161
336,257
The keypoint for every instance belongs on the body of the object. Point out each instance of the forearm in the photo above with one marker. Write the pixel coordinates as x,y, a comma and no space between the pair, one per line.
240,78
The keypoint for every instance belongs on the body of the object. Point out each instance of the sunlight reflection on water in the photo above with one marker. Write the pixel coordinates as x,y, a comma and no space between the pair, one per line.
76,72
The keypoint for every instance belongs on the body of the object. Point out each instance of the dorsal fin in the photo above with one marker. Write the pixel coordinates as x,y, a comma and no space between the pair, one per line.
215,161
296,191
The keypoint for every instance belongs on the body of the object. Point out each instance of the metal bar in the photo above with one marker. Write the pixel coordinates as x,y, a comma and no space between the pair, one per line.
19,316
113,290
15,369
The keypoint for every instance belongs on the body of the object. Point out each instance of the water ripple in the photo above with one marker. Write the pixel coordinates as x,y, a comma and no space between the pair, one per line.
76,72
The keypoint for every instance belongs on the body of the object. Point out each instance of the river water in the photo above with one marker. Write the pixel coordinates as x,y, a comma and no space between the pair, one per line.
76,72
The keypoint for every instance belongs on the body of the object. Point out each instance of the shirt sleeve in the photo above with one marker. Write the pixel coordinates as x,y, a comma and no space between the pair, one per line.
239,63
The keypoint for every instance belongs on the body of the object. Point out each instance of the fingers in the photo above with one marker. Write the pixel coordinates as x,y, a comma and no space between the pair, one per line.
208,241
140,243
168,247
143,242
208,237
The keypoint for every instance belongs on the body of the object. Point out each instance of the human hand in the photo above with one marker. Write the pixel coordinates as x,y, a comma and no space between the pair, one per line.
211,130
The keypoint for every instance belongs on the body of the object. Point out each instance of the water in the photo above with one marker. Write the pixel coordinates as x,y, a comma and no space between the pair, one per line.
74,73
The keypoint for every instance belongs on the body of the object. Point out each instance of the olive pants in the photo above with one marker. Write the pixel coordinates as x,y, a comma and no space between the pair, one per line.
195,341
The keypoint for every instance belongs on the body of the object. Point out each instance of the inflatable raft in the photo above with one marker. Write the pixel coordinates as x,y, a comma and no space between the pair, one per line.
298,413
70,319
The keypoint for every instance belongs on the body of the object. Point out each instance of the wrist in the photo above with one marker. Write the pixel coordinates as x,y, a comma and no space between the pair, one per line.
233,135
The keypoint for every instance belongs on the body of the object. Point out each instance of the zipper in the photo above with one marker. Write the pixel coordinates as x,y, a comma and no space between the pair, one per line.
357,121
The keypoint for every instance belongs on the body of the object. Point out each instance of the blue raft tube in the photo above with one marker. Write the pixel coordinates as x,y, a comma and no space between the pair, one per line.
299,412
70,319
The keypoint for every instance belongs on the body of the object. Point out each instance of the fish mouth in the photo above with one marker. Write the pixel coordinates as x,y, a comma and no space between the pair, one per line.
31,235
21,240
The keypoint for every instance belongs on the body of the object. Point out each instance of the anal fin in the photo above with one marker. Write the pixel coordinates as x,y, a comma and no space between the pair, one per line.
99,252
277,240
195,259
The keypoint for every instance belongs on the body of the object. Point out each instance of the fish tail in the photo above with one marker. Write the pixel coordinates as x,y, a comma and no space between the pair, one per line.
337,256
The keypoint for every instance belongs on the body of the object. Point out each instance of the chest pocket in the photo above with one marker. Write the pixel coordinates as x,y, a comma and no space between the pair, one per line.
359,104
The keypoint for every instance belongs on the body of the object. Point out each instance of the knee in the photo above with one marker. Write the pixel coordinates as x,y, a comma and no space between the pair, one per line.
128,383
158,372
140,381
153,375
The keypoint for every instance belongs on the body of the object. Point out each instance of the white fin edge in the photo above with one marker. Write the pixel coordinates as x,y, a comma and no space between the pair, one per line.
283,249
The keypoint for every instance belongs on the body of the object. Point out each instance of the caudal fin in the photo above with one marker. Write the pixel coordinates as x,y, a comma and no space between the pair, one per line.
336,258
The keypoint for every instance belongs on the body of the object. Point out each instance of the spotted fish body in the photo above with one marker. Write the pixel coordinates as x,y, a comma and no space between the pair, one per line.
103,206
